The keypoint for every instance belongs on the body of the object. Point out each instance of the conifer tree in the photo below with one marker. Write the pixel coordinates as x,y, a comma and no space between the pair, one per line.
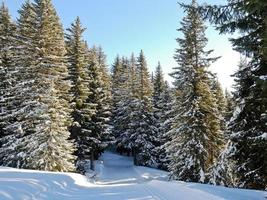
78,74
133,76
106,79
119,97
97,127
229,106
158,85
195,135
134,122
142,129
124,107
9,104
158,89
239,138
248,127
144,87
164,121
25,89
221,173
221,103
162,112
101,57
48,147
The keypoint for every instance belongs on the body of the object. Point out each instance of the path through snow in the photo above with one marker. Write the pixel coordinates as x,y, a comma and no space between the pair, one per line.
118,179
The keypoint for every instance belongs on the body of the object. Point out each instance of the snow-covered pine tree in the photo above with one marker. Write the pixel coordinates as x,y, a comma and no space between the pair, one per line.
106,79
222,173
165,105
161,100
124,108
97,128
142,129
78,75
9,103
195,135
248,126
101,57
158,88
26,91
245,142
144,83
120,94
220,101
229,106
133,76
48,147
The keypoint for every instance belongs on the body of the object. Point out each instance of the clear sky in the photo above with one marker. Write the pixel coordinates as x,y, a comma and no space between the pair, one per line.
125,26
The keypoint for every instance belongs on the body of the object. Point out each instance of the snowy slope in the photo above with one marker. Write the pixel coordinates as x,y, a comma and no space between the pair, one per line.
118,179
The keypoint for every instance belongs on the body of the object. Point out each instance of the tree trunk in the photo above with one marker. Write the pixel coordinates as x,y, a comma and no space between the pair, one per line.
134,157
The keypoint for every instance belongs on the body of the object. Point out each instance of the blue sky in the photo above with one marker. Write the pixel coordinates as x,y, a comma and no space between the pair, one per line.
125,26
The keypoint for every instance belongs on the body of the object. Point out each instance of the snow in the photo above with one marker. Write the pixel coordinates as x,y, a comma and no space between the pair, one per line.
264,78
117,179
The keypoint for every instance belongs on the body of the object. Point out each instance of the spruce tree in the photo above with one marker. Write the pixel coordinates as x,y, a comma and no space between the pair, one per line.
248,127
220,102
229,107
244,144
144,86
101,58
164,121
134,123
162,105
124,108
10,108
133,75
120,94
48,147
142,129
97,128
78,74
195,135
25,89
221,173
158,87
106,87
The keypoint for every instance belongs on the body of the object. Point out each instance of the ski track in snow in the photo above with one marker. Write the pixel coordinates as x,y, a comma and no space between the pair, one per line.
118,179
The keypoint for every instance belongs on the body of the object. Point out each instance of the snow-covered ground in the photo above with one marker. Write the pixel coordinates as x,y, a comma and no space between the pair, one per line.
118,179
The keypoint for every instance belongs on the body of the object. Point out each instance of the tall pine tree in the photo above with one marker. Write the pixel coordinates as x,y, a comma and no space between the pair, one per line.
78,74
48,147
195,135
10,108
97,128
142,129
165,116
248,126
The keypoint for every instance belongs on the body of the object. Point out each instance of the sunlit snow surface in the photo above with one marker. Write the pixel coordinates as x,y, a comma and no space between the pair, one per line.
117,179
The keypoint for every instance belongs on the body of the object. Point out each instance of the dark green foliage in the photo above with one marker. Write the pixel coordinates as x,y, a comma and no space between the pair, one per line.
165,115
158,84
196,137
9,104
78,75
248,126
230,104
48,147
97,128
